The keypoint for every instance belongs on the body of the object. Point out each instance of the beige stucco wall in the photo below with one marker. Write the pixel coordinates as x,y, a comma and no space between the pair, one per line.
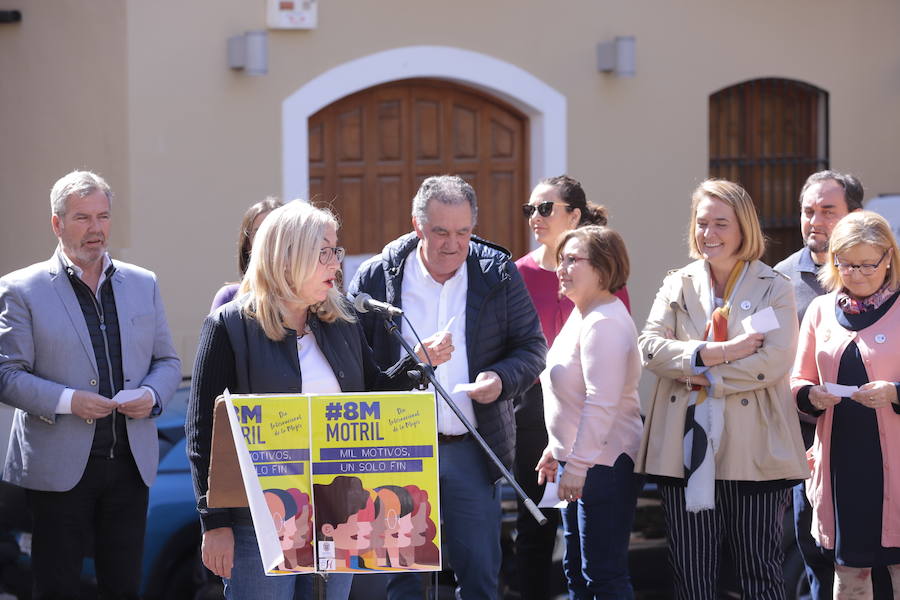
62,106
188,144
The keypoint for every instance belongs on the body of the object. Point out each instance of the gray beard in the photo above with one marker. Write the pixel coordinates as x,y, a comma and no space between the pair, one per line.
817,247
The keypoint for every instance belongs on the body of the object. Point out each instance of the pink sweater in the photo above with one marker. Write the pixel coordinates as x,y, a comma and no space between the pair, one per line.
543,287
822,343
591,403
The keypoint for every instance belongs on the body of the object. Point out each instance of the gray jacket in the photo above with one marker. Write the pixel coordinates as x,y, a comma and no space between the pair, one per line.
45,347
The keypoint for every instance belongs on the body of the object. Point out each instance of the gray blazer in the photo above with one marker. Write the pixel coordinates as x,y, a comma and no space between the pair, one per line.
45,347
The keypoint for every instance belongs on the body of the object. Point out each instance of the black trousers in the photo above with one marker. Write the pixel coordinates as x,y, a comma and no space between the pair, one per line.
108,505
751,525
534,543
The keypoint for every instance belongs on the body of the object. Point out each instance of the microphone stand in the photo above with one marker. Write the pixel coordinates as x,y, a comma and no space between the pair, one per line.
428,371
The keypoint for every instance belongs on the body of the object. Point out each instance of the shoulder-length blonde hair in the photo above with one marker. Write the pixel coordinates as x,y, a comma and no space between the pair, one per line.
284,255
753,243
860,227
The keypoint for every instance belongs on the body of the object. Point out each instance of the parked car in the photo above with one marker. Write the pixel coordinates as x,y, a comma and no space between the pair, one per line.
172,569
171,565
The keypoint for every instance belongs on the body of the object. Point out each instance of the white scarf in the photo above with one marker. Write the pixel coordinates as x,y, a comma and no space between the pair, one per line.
703,427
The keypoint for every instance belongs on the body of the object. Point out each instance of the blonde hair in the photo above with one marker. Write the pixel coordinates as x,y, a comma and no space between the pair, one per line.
285,254
753,243
860,227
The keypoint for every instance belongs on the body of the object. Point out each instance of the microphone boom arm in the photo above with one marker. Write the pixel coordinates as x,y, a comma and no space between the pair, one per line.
428,371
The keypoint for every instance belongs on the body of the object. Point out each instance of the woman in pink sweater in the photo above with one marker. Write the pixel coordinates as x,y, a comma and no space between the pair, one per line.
557,204
592,412
852,337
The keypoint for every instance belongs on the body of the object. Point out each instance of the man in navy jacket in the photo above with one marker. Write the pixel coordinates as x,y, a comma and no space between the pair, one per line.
447,280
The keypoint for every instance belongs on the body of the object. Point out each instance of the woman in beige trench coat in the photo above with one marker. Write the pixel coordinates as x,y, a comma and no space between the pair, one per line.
722,436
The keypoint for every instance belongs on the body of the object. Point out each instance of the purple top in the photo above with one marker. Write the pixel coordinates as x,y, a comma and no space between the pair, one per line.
225,295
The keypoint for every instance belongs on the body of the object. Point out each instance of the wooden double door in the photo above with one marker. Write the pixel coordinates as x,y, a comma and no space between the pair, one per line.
369,152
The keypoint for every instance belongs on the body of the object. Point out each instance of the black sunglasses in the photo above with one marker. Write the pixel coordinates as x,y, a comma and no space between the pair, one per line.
545,209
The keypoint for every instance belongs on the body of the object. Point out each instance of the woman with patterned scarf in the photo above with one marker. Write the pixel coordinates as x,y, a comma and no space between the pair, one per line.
851,337
722,436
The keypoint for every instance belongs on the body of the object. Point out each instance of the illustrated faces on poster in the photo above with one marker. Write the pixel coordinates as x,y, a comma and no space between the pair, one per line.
354,535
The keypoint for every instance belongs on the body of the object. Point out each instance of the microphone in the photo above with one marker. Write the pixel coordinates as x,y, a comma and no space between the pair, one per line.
365,303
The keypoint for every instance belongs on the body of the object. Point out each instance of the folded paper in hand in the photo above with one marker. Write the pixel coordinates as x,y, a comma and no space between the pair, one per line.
842,391
128,395
762,322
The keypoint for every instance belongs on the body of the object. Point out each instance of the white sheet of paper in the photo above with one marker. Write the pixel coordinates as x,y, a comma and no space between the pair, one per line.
266,536
128,395
763,321
466,387
550,499
842,391
449,324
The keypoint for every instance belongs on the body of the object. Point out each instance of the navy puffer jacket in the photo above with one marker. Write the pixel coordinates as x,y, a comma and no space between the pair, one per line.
503,332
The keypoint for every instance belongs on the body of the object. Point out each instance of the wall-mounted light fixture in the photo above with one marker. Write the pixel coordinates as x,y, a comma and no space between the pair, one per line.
617,56
249,52
10,16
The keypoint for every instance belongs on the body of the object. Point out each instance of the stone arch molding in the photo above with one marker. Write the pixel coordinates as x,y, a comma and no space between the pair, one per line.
545,107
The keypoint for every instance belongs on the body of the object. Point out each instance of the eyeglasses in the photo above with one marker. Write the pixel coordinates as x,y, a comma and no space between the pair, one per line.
570,261
329,252
846,269
545,209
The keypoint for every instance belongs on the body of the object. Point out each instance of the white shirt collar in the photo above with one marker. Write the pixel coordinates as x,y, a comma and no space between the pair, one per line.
67,262
418,262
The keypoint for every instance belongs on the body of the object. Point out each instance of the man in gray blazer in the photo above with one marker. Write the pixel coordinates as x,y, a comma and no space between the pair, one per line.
87,360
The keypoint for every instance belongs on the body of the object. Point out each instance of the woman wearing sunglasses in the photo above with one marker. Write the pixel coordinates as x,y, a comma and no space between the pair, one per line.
290,330
557,204
851,337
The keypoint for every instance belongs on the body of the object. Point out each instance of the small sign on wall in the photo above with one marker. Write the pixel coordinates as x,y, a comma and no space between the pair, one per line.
292,14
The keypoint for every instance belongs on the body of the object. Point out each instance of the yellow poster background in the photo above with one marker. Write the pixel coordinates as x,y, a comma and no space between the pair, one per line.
276,431
375,482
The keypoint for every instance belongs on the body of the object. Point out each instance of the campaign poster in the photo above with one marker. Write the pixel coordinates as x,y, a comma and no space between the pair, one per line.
375,482
276,431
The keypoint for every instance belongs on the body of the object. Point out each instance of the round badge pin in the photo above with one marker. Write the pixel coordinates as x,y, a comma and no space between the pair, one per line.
745,305
880,338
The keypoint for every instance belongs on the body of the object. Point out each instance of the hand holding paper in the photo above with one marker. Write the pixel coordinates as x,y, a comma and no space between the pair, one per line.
136,404
465,387
876,394
550,499
129,395
89,405
841,391
827,395
488,387
439,348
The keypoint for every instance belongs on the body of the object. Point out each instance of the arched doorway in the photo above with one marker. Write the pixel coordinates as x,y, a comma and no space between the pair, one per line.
369,151
769,135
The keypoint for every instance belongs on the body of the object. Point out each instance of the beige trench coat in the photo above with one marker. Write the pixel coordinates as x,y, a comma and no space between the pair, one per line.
761,438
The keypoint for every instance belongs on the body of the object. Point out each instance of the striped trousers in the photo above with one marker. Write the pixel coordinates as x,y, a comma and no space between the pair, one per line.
752,525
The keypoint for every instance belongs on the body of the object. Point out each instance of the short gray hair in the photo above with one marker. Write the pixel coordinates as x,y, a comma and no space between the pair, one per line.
446,189
82,183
